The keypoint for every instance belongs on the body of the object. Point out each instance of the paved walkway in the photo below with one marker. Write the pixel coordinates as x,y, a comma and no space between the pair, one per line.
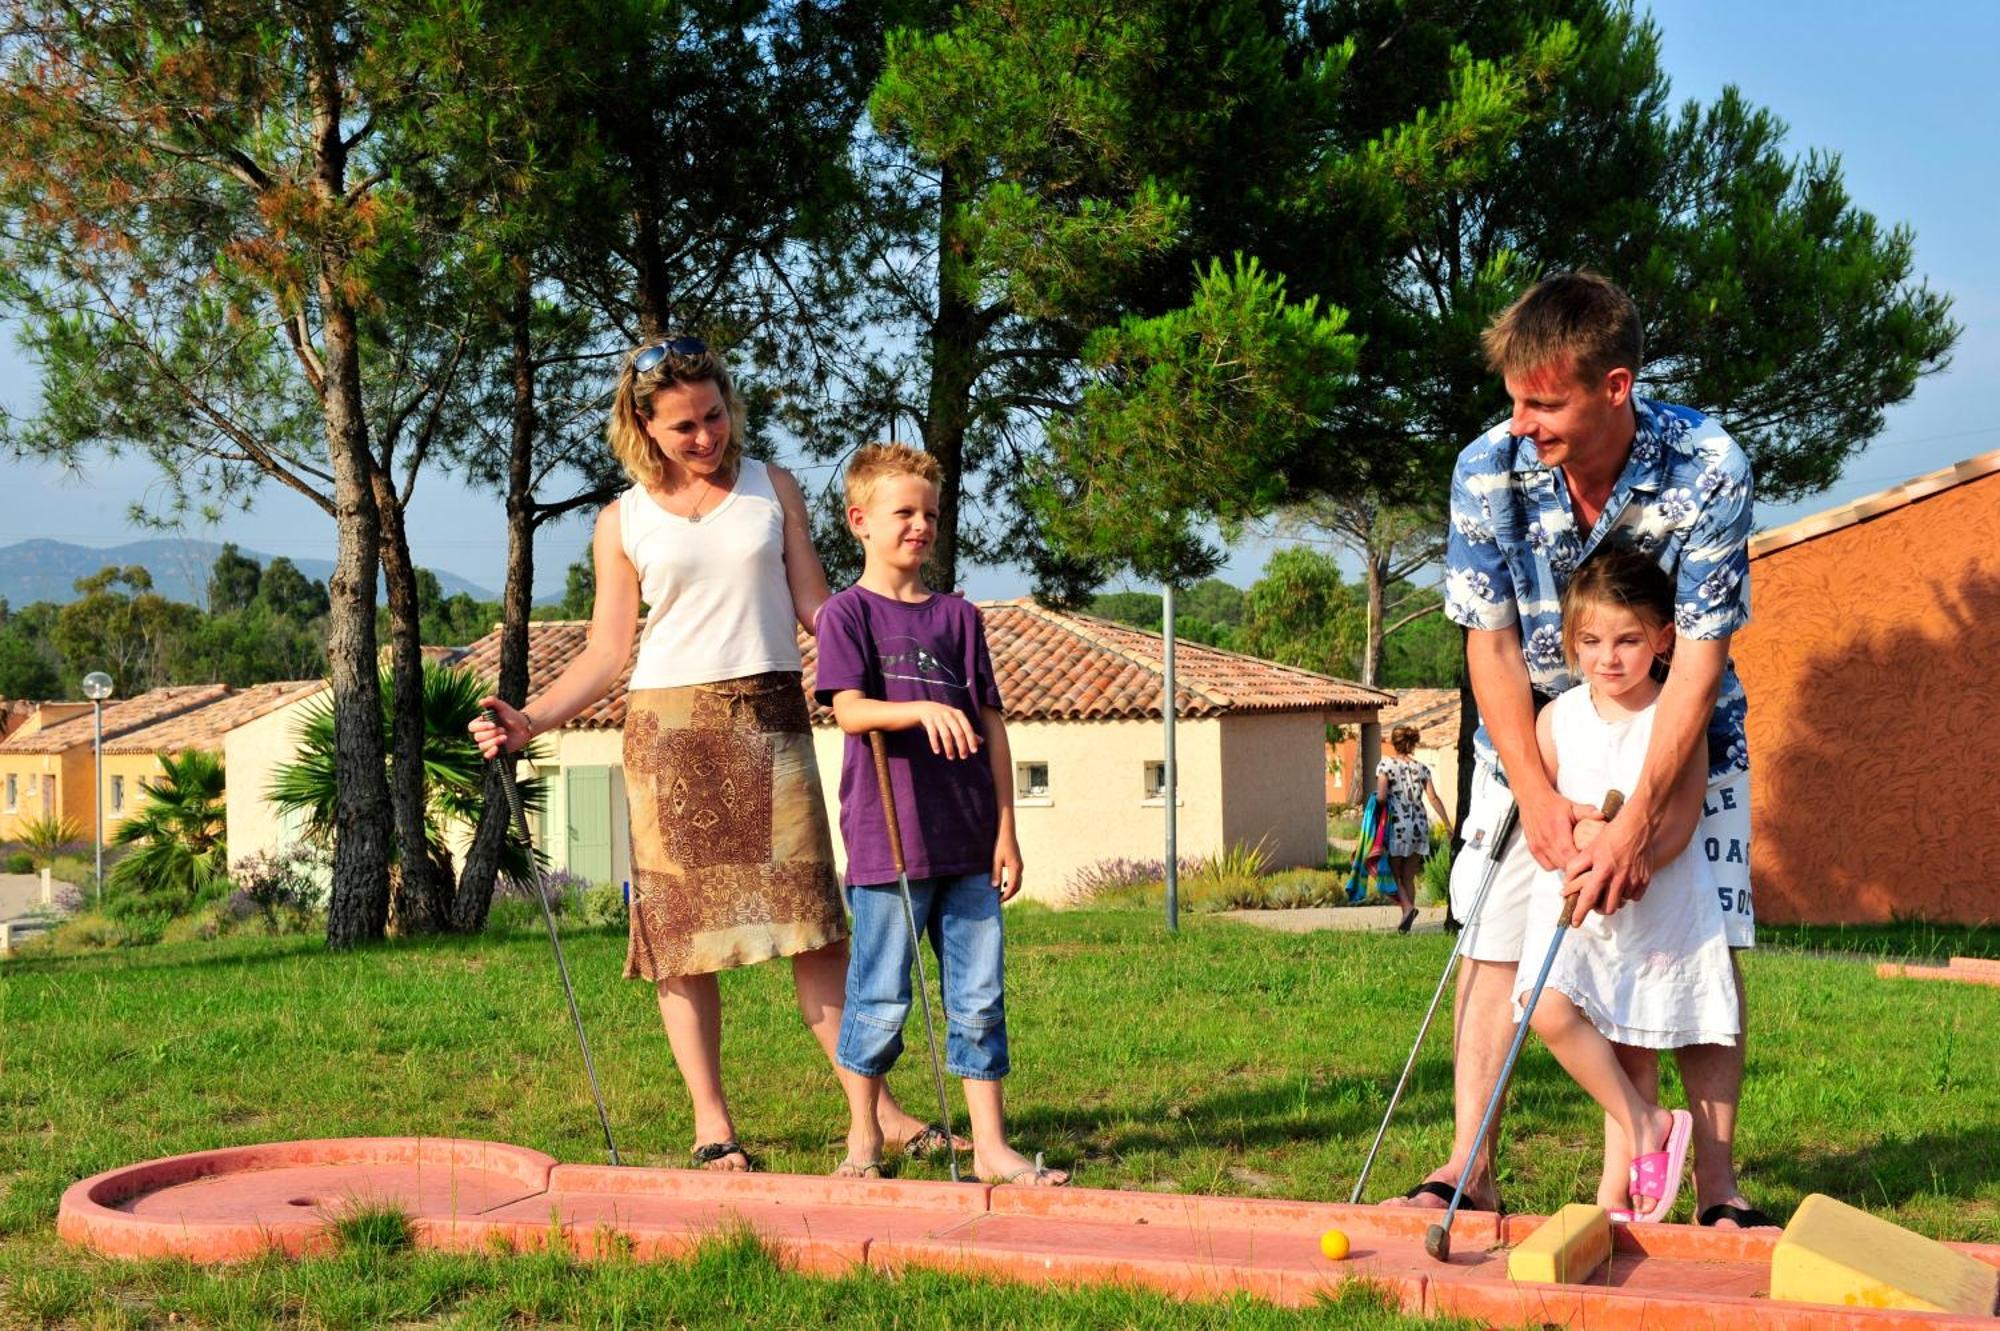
21,898
1354,919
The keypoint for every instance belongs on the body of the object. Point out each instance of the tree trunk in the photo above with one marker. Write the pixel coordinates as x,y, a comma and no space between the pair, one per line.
482,858
358,908
422,903
954,344
1371,647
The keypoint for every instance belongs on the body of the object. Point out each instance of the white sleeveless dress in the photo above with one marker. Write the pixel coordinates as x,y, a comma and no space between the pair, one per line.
1657,974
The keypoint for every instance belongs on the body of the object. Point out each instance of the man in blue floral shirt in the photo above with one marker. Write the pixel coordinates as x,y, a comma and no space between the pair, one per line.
1583,463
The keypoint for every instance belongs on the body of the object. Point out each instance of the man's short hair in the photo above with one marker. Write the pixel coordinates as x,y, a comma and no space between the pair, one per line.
1581,318
878,462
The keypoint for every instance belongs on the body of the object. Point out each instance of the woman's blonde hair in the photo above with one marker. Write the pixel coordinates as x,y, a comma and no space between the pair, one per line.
1403,739
632,406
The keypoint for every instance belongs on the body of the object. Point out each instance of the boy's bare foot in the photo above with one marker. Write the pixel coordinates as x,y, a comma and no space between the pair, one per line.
1007,1165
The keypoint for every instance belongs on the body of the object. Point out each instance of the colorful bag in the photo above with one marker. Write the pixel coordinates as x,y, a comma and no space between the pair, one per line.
1370,869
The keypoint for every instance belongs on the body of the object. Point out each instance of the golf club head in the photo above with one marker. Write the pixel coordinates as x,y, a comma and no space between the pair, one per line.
1437,1242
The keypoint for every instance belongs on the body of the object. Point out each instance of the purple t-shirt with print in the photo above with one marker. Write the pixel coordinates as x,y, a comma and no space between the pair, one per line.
893,651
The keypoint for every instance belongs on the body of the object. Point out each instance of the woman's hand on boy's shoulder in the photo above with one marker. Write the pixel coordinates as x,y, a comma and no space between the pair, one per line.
1007,865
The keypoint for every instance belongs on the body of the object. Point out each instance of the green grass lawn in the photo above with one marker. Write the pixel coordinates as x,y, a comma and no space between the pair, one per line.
1225,1060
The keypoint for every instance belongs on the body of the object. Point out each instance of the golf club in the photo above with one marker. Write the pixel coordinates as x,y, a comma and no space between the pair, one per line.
1496,849
1437,1239
520,815
881,753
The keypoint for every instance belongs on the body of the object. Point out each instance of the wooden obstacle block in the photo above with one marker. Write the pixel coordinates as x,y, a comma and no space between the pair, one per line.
1565,1249
1835,1253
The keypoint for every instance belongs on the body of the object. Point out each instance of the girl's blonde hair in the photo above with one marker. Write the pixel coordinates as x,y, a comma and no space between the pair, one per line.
1403,739
632,406
1617,576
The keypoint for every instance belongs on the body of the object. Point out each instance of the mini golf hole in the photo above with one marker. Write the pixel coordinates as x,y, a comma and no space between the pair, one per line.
301,1201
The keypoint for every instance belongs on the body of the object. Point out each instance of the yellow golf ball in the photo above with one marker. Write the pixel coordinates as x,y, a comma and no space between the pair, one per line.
1334,1244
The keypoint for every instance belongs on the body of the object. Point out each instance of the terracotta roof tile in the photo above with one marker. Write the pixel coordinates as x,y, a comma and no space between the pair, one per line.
1842,516
121,716
1434,712
1050,665
204,726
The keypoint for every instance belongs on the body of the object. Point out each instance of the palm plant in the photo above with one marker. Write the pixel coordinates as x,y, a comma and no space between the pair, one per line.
48,836
454,772
180,857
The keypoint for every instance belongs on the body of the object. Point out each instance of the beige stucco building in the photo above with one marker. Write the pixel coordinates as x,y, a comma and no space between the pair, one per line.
1085,723
46,765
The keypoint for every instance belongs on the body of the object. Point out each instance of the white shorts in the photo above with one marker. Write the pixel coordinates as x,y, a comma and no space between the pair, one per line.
1723,838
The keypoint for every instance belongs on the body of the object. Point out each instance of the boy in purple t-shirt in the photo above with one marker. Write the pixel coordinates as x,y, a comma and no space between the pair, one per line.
895,657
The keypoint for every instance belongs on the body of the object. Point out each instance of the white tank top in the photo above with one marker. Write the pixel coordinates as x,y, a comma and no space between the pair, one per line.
720,605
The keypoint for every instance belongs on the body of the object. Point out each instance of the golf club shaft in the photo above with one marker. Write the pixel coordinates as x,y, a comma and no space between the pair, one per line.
881,754
1613,801
1495,850
520,817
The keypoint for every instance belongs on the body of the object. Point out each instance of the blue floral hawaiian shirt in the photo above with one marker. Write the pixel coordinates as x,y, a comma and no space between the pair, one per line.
1684,498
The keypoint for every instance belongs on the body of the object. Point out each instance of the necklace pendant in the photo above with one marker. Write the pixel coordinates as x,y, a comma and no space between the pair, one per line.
694,517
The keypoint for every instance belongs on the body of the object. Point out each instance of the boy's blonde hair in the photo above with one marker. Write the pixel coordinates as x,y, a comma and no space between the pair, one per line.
1580,318
632,406
878,462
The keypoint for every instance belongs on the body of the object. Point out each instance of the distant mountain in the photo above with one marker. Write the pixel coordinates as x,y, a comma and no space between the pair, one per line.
47,570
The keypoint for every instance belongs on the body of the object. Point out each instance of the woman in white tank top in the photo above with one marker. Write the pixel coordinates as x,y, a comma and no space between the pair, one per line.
732,857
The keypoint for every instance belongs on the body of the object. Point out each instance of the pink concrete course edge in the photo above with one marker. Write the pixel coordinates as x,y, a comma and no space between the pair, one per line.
90,1213
517,1198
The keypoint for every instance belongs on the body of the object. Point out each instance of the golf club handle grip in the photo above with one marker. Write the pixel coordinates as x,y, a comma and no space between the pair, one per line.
508,788
1613,801
880,749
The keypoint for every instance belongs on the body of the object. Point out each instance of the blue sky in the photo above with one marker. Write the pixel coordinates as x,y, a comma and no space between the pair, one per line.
1899,92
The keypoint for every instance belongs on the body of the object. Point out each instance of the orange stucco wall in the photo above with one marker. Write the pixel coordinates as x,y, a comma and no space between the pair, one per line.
1874,725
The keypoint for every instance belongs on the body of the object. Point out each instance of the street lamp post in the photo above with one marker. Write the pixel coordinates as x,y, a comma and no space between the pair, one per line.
97,686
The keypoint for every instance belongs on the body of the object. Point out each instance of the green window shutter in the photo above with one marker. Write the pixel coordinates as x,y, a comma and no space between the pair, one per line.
587,801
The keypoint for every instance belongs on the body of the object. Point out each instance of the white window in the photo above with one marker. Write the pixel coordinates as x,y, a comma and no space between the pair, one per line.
13,792
1031,781
117,794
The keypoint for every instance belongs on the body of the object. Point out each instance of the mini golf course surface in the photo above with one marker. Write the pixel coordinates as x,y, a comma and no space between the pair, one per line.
239,1202
1965,970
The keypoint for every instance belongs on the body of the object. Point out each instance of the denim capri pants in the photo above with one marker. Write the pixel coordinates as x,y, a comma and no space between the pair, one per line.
961,917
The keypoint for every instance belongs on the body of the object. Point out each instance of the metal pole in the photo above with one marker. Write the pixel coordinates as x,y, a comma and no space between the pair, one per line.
97,762
1171,792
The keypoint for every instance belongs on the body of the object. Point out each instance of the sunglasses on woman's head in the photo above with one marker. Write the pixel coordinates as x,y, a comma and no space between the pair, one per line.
685,347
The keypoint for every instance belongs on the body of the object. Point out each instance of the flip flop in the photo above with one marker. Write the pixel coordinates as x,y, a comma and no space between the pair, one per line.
927,1141
1746,1217
1444,1192
1657,1174
852,1168
706,1155
1035,1171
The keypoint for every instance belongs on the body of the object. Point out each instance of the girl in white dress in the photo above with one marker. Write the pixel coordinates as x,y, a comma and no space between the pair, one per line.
1656,974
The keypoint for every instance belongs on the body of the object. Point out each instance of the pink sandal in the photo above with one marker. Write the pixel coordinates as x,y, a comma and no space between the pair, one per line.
1656,1176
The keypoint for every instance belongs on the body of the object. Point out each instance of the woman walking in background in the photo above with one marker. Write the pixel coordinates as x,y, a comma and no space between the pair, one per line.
1401,785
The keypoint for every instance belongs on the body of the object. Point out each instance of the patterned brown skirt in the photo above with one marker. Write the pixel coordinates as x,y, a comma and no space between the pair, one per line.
732,859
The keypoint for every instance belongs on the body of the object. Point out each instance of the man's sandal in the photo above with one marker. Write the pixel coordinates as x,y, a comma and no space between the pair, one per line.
704,1156
1444,1192
1745,1217
852,1168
